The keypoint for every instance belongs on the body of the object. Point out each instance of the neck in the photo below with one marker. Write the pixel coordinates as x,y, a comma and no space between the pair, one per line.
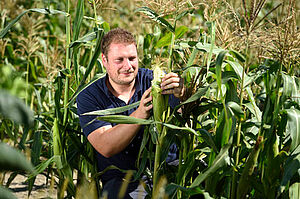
123,92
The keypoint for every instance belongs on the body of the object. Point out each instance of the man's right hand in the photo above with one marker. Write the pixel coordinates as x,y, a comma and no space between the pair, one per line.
145,107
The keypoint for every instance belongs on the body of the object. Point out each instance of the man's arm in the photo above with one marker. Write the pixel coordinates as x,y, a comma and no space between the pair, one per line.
109,140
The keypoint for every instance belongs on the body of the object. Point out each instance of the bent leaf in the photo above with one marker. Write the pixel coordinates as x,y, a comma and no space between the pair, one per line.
15,109
13,160
219,162
166,40
111,111
291,167
6,193
86,38
293,127
155,17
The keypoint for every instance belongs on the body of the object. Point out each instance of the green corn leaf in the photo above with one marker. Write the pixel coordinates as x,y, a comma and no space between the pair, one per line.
142,165
112,111
6,193
123,119
95,78
57,94
35,154
237,55
256,111
200,93
57,147
155,17
39,10
188,165
14,109
291,167
294,191
238,69
235,109
78,19
220,161
293,127
212,28
41,167
187,129
219,63
172,187
208,139
200,46
143,144
291,87
13,160
224,127
166,40
243,185
191,72
207,48
86,38
182,14
95,56
154,134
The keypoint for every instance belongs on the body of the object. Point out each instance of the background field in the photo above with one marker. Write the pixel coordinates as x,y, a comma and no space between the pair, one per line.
238,131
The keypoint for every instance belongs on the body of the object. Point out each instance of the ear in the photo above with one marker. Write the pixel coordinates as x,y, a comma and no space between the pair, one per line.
104,60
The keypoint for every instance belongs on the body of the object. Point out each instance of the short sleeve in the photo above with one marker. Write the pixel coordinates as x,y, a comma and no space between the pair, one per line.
87,102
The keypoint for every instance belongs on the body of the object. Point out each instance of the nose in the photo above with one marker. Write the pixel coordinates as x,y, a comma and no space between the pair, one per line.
127,64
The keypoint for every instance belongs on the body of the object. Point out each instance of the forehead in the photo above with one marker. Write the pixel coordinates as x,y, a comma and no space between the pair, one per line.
122,49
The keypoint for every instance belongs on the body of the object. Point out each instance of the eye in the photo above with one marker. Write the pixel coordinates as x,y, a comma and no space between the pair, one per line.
132,58
119,60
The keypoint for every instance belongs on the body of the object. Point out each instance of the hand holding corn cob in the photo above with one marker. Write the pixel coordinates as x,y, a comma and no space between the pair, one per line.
172,84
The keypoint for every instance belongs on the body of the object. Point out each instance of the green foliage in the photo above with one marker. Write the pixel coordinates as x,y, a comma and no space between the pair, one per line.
12,160
234,96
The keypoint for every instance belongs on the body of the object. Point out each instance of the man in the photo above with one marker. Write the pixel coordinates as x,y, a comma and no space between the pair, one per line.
125,83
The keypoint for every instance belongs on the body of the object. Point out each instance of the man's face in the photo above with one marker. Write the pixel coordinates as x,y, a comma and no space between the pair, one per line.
121,63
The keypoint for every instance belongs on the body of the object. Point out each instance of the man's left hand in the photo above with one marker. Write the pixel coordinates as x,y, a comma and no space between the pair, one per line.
172,84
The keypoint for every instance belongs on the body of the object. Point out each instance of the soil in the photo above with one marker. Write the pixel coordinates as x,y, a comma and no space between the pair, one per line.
41,189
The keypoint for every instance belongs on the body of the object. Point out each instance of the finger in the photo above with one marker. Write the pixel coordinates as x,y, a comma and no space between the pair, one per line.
169,75
146,93
171,86
148,108
169,81
147,101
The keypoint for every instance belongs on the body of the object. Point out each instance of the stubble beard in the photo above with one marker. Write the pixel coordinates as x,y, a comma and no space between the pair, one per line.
123,81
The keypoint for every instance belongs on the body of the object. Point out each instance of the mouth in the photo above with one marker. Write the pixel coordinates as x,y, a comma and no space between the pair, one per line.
126,72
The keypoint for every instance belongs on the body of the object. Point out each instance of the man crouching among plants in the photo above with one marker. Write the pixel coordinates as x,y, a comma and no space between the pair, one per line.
125,83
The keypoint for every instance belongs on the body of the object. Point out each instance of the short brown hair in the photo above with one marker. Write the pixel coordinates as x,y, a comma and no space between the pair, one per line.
117,35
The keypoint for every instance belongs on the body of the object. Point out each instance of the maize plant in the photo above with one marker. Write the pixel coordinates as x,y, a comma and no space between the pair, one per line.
160,114
237,133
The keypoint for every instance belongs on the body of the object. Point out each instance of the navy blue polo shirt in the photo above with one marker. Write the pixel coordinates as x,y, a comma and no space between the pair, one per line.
98,97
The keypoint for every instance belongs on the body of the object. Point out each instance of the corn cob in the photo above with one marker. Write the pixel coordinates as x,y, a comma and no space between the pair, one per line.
159,101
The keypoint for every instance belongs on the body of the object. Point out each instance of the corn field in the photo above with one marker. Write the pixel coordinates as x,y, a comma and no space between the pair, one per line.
237,128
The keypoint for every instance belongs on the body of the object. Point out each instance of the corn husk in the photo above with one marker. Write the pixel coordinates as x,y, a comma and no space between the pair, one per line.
159,101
